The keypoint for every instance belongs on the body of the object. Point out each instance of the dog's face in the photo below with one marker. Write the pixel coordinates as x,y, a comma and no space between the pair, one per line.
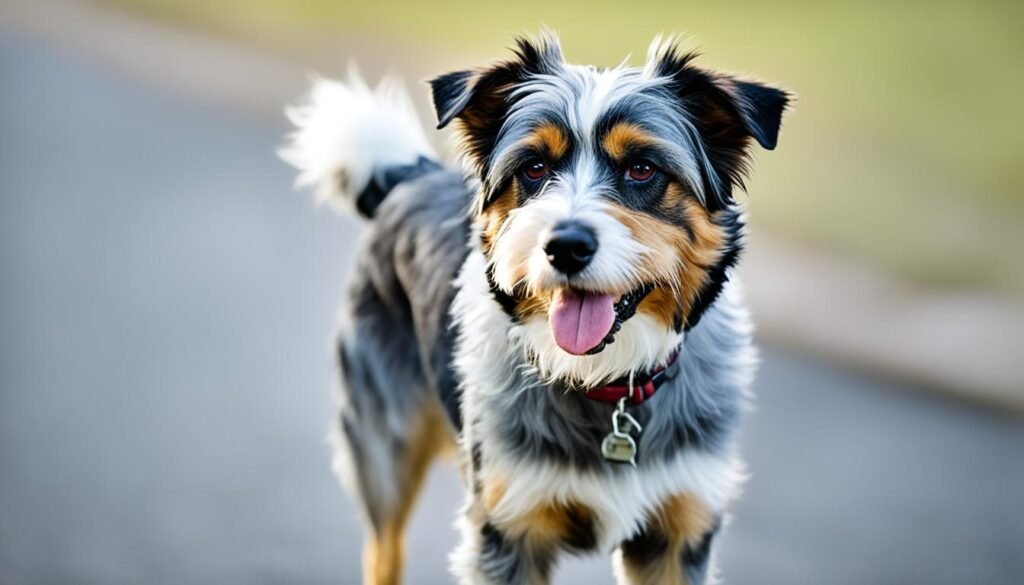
606,211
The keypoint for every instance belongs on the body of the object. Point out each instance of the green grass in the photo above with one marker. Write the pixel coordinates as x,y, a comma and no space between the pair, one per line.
906,146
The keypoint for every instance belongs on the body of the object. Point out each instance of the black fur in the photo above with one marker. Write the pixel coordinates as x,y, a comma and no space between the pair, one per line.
480,99
646,547
581,535
504,560
731,219
728,113
762,108
697,556
451,93
387,179
397,349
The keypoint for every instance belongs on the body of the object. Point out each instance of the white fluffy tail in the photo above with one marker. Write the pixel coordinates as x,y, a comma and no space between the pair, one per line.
347,134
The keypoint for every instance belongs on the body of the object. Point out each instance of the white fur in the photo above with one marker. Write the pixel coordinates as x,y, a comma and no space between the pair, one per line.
643,343
519,256
598,96
620,501
584,94
345,132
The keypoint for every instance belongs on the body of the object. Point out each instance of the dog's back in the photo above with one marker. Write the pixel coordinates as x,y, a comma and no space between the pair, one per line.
363,150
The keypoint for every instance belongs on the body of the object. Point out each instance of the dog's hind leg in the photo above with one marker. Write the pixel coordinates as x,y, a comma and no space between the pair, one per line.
384,552
390,430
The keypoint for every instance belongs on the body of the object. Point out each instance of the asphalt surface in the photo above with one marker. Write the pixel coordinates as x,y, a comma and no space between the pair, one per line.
166,308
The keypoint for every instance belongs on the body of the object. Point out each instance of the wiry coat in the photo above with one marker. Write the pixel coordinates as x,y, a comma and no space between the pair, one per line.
446,336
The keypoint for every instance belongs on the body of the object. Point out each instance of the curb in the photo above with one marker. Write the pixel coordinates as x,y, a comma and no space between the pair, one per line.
966,345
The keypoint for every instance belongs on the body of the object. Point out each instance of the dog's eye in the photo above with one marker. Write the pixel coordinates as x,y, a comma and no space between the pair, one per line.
640,170
535,169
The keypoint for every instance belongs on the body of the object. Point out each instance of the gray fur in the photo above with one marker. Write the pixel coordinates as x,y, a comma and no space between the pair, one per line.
411,339
633,96
396,352
395,343
398,313
698,408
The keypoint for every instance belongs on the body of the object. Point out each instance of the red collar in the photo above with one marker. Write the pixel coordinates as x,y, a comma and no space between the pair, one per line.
644,386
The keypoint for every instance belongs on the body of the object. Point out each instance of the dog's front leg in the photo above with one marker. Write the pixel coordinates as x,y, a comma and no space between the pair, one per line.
490,556
673,548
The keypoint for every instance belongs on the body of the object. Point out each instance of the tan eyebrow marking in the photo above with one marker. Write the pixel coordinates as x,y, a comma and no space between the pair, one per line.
624,135
550,138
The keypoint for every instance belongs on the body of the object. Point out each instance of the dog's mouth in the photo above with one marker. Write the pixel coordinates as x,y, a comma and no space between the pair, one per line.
584,322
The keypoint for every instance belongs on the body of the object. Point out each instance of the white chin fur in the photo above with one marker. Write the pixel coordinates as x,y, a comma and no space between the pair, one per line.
642,344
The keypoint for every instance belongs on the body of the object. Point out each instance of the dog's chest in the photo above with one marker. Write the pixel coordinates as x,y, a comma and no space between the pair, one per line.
613,501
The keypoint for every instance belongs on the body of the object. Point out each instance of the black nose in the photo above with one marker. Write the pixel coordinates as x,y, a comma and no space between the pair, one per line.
572,246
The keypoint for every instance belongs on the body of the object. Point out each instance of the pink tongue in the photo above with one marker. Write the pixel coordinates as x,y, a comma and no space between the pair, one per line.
581,320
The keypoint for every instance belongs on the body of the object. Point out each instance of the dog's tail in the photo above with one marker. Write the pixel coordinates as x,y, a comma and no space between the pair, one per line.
353,144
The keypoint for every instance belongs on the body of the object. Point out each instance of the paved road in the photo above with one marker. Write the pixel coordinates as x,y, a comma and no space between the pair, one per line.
165,380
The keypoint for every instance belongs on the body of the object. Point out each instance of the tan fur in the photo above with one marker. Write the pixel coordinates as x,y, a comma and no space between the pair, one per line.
491,222
533,305
493,218
553,523
547,138
546,525
384,552
704,250
683,520
683,517
662,304
550,139
677,261
493,492
622,137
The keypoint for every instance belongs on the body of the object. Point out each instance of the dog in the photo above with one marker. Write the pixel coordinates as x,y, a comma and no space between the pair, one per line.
561,311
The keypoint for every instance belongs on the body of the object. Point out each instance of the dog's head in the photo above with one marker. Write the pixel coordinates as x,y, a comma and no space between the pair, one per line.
606,208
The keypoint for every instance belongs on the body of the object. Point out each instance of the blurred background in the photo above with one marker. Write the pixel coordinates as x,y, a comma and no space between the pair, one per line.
167,303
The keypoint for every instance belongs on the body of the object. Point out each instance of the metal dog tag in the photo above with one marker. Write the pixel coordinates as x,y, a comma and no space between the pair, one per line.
620,448
619,445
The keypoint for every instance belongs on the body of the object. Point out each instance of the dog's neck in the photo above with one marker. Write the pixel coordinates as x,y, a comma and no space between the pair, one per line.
637,387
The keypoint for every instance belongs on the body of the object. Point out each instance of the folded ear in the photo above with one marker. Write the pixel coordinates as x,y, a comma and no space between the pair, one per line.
761,108
727,113
451,93
480,99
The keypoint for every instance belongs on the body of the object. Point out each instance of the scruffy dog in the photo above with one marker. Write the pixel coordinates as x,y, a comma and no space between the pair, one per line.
565,311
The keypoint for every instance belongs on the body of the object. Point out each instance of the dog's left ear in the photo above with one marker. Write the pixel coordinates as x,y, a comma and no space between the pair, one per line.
761,108
727,113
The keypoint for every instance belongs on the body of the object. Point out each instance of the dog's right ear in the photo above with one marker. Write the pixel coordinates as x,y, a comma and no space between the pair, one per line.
451,93
479,100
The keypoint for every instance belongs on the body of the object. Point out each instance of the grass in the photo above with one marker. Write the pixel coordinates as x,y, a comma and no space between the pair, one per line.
905,147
